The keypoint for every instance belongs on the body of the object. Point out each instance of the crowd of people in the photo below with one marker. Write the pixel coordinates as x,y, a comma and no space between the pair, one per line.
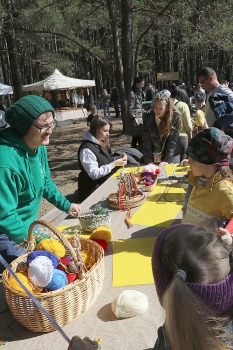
191,262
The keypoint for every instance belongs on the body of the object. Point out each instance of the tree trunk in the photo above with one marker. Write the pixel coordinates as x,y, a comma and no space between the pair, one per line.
118,60
13,54
127,43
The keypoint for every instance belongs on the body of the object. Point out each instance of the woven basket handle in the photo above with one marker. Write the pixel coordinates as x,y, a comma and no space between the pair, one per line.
61,237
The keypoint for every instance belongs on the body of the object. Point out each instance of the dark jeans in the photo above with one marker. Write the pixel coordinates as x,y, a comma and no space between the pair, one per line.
183,141
136,142
9,250
116,107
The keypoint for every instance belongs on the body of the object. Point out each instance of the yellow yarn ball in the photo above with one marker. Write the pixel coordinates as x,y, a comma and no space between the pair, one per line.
26,281
88,258
102,232
53,246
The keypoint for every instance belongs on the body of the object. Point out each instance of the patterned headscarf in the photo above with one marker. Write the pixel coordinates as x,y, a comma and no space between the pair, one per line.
210,146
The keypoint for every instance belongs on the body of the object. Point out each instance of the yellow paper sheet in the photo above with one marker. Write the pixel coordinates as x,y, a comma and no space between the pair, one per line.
161,206
132,262
170,169
176,169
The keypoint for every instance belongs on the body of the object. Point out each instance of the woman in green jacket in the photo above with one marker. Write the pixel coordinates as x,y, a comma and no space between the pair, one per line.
24,172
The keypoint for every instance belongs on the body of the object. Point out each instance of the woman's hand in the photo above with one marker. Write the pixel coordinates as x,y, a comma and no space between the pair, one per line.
74,210
121,160
184,162
135,122
163,163
123,157
82,344
225,235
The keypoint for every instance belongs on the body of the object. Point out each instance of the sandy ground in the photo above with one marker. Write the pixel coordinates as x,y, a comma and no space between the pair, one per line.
62,155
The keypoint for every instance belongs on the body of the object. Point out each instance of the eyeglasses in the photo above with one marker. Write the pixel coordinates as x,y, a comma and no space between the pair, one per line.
46,128
202,82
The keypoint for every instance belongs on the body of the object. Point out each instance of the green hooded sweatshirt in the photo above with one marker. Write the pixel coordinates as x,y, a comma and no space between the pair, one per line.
24,181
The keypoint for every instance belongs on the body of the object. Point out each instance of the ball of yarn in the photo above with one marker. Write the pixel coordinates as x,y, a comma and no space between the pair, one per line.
64,266
102,232
88,258
53,246
130,303
151,167
71,277
31,256
25,280
65,260
40,271
101,242
59,280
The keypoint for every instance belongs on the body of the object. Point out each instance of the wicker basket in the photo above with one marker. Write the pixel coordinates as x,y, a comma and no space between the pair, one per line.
126,203
64,304
89,221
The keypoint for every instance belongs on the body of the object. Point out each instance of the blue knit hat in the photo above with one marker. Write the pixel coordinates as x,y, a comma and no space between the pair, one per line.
210,146
22,114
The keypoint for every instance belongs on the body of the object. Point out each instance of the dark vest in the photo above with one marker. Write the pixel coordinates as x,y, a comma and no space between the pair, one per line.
85,184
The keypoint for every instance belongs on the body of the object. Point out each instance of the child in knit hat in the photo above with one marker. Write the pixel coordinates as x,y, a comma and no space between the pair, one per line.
211,199
24,172
192,269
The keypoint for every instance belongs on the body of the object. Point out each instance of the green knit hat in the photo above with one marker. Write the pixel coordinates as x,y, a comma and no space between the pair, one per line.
22,114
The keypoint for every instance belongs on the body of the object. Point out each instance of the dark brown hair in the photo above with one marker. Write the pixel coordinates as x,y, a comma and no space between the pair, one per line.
206,72
97,123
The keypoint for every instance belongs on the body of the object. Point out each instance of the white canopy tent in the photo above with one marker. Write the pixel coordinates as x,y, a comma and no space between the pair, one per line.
58,81
6,89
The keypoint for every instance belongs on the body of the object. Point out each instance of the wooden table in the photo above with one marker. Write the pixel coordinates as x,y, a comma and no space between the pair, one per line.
138,332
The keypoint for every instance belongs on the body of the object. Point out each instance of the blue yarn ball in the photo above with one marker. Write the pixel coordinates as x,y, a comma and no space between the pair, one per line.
31,256
59,280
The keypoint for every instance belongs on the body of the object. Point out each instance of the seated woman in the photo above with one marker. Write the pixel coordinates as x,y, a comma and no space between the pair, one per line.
94,158
160,133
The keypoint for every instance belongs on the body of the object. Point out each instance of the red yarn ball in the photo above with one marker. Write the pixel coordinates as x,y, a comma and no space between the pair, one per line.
65,260
158,171
101,242
71,277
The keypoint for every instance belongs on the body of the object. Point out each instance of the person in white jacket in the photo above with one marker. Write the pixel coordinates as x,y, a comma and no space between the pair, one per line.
94,157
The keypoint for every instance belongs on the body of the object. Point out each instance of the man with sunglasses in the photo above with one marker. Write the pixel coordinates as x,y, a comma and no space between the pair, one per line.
24,172
207,77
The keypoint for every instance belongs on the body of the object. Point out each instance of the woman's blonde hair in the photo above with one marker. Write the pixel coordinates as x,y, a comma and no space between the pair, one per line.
166,122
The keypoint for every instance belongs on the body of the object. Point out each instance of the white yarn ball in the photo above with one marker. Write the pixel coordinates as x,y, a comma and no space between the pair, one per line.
40,271
130,303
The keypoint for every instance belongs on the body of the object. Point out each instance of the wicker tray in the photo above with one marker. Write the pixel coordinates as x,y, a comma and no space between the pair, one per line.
64,304
132,202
